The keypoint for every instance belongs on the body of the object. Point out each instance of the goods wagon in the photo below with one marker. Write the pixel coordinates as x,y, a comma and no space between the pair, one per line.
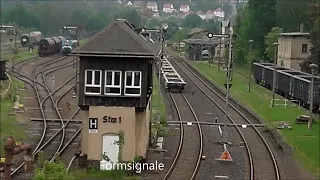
292,84
33,38
50,46
172,79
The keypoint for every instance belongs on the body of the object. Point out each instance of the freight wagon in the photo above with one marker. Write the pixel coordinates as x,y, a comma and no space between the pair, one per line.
50,46
32,38
291,84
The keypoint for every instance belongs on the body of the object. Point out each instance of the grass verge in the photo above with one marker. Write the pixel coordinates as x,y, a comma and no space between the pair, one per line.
21,56
9,123
98,174
158,107
304,142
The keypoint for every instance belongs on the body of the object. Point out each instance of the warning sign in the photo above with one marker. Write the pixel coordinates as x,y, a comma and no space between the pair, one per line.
225,156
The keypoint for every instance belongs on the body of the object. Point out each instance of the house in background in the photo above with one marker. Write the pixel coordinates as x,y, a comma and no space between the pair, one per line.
201,14
168,8
138,4
219,14
293,49
129,3
184,8
152,6
184,15
209,15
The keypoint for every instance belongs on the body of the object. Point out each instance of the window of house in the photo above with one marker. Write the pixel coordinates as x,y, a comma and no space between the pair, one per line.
133,83
112,82
218,52
93,81
304,48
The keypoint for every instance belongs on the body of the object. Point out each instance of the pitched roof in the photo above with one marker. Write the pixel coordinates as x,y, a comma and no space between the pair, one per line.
209,12
167,5
118,38
138,3
200,13
295,34
196,30
184,6
152,3
218,10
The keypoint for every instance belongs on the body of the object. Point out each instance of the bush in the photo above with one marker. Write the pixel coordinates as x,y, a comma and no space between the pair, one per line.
53,171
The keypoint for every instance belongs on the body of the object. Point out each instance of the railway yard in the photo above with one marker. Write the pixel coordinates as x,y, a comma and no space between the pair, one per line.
196,117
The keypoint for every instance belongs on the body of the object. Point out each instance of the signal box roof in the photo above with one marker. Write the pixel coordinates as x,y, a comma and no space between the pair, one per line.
117,39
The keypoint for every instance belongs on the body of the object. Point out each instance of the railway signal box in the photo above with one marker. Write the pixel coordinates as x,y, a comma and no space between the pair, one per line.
3,75
115,86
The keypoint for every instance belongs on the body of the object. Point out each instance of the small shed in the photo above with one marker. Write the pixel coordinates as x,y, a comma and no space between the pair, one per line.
194,47
115,86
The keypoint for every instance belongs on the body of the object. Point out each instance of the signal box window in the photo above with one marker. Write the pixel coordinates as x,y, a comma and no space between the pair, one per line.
113,83
133,83
93,82
304,48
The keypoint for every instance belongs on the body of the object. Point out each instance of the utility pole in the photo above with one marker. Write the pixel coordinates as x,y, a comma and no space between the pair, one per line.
250,63
228,85
29,38
210,36
219,60
312,67
274,71
201,45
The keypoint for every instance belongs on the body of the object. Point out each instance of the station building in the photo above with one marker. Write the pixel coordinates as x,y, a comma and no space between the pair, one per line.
115,86
197,42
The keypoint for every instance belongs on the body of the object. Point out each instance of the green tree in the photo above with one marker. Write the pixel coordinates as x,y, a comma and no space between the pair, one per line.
192,21
290,14
262,18
254,22
271,38
212,25
315,33
53,171
242,45
181,34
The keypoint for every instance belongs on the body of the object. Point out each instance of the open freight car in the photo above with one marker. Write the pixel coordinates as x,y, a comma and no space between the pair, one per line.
292,84
172,79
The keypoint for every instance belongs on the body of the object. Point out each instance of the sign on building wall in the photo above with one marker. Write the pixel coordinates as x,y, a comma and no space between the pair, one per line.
93,125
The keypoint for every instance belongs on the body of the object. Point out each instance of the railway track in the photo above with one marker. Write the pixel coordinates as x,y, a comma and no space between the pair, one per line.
62,133
261,159
187,160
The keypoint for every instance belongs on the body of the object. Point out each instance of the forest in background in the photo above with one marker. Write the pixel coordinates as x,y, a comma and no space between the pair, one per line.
50,16
262,21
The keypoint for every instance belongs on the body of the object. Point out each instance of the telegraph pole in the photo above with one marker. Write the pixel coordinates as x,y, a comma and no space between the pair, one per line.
312,67
250,63
219,60
274,71
210,36
29,38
